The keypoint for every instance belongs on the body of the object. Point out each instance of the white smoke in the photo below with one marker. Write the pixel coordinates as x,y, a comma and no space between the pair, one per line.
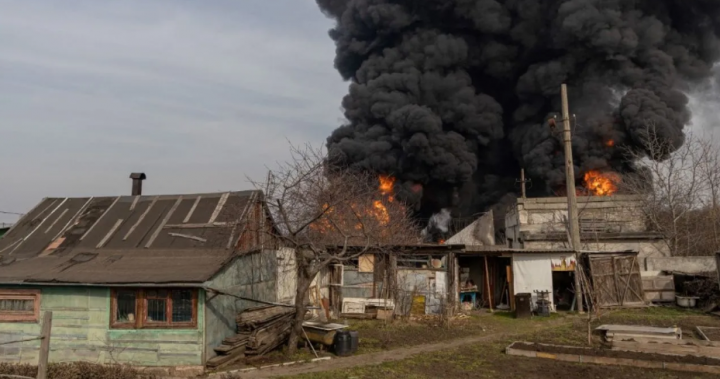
438,223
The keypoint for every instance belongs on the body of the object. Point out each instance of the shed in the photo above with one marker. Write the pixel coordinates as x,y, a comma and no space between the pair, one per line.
141,279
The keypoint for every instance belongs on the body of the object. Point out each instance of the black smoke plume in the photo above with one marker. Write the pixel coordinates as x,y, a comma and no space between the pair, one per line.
453,96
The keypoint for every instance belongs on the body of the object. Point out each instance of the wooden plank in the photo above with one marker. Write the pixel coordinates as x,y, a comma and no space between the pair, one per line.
192,210
219,207
109,234
366,263
629,280
142,217
134,203
197,226
100,218
195,238
229,349
60,233
618,299
45,345
38,227
56,220
163,222
216,362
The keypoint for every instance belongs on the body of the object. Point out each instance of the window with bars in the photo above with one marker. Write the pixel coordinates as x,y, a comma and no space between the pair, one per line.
154,308
19,305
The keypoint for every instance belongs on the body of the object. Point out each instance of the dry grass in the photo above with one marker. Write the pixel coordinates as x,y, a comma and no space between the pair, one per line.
487,360
77,370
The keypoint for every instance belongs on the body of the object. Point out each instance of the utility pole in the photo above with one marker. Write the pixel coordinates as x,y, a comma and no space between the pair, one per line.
573,223
522,182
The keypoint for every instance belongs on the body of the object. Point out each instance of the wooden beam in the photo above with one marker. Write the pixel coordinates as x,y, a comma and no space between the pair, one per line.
219,207
142,217
199,226
38,227
192,210
56,220
487,283
110,234
75,216
134,203
100,218
163,222
196,238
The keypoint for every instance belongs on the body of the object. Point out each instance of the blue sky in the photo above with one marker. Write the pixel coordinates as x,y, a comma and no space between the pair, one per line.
197,94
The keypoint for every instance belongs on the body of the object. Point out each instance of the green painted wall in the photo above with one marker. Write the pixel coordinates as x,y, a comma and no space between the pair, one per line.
80,332
251,276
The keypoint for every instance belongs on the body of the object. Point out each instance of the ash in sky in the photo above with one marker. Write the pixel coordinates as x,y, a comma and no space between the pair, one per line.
453,96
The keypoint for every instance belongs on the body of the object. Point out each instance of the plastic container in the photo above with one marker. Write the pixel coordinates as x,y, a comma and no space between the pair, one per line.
342,344
354,341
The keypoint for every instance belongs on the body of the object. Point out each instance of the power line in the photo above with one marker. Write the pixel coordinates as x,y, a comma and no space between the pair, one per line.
12,213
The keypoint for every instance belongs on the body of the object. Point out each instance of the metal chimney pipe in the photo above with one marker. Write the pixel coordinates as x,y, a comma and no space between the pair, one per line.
137,178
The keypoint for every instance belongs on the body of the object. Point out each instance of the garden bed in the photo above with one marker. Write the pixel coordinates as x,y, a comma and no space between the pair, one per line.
612,357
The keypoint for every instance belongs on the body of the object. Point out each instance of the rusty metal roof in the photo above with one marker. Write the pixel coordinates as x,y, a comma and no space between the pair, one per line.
125,239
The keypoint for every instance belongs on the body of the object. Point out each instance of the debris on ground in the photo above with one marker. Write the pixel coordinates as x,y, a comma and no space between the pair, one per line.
259,331
624,332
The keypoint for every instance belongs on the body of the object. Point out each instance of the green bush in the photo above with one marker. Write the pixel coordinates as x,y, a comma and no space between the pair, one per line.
77,370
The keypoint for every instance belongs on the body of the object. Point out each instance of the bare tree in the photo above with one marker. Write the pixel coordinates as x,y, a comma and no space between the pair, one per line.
329,216
680,186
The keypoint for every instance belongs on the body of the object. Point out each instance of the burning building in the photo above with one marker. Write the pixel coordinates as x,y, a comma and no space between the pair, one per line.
451,97
607,223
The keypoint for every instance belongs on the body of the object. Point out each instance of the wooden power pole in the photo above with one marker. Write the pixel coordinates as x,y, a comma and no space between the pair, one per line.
44,345
573,223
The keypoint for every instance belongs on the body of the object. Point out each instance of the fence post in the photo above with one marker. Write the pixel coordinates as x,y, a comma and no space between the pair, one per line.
44,346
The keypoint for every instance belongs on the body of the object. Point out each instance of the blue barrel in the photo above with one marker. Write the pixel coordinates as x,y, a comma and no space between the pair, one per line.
354,341
342,344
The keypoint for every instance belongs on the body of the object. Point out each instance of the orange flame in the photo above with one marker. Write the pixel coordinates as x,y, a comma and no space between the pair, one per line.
381,213
378,210
609,143
601,183
441,242
387,185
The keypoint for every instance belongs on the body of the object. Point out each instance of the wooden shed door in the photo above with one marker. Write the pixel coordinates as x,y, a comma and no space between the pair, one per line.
616,280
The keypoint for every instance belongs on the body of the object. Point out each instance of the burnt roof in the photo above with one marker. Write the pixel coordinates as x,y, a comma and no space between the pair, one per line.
125,239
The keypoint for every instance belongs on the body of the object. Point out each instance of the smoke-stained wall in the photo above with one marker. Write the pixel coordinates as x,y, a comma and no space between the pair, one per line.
453,96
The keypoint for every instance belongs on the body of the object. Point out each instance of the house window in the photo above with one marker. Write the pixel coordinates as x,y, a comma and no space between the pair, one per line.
19,305
154,308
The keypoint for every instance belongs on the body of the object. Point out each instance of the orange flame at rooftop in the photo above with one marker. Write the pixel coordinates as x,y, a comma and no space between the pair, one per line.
609,143
601,183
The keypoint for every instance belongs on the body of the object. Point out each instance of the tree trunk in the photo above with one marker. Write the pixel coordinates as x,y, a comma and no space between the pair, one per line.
301,295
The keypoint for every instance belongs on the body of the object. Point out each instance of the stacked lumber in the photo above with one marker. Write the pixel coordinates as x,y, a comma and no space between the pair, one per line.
259,330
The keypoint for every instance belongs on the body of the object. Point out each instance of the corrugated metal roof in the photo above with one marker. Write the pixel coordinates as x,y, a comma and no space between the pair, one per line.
125,239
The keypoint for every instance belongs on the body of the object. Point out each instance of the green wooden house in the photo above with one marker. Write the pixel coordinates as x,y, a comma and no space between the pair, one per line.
4,228
144,280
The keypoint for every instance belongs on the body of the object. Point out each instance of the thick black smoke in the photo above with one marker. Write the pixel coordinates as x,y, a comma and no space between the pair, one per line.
453,96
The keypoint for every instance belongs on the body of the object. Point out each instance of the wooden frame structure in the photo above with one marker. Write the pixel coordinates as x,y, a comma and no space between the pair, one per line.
616,279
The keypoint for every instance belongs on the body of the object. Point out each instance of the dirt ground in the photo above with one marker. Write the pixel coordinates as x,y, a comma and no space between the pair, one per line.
393,352
713,334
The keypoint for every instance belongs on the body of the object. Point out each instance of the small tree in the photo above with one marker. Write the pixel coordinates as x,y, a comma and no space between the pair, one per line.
329,215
